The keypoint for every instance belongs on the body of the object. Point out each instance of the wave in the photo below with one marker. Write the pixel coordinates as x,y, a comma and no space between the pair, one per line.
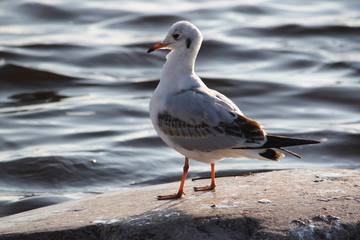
14,75
298,30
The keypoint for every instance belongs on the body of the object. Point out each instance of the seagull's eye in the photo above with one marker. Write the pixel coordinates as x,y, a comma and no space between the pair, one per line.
176,36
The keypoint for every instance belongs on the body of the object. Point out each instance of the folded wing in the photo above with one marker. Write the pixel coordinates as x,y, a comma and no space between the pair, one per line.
208,121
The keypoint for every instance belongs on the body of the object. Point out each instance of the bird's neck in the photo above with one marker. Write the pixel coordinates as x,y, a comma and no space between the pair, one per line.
180,63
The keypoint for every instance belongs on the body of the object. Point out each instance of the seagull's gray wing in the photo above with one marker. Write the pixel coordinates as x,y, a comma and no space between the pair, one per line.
205,120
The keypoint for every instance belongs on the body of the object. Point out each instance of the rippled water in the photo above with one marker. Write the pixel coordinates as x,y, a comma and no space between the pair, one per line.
75,82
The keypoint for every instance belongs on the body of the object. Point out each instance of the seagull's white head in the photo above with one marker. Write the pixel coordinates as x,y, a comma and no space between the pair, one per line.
183,36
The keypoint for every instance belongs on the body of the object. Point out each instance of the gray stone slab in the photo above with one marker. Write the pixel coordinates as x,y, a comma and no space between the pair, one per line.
291,204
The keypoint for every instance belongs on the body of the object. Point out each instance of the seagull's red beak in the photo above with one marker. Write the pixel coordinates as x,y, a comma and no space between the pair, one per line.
157,46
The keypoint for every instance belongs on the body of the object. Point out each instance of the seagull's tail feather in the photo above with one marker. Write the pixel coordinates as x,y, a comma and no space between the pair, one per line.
281,141
271,154
265,152
259,154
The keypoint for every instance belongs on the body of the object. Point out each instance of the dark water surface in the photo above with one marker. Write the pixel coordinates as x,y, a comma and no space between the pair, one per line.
75,82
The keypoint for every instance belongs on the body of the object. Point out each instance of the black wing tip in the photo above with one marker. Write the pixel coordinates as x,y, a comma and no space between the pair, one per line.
274,141
290,152
309,141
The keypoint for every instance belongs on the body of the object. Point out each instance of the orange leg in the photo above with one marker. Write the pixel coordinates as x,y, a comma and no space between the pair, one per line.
181,189
212,185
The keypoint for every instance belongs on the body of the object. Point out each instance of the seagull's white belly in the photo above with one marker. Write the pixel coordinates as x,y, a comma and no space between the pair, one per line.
201,156
206,157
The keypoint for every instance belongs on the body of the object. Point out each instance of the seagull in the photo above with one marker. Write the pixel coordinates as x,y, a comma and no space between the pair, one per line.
201,123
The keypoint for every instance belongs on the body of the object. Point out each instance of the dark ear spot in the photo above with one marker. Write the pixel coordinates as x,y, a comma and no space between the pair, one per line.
188,43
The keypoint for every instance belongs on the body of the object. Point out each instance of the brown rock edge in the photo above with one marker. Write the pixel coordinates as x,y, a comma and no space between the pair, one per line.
289,204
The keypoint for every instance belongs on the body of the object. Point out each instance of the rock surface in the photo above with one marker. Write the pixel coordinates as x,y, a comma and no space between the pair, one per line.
291,204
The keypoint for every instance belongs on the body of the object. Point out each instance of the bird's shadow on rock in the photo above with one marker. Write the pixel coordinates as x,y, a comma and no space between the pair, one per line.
173,224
